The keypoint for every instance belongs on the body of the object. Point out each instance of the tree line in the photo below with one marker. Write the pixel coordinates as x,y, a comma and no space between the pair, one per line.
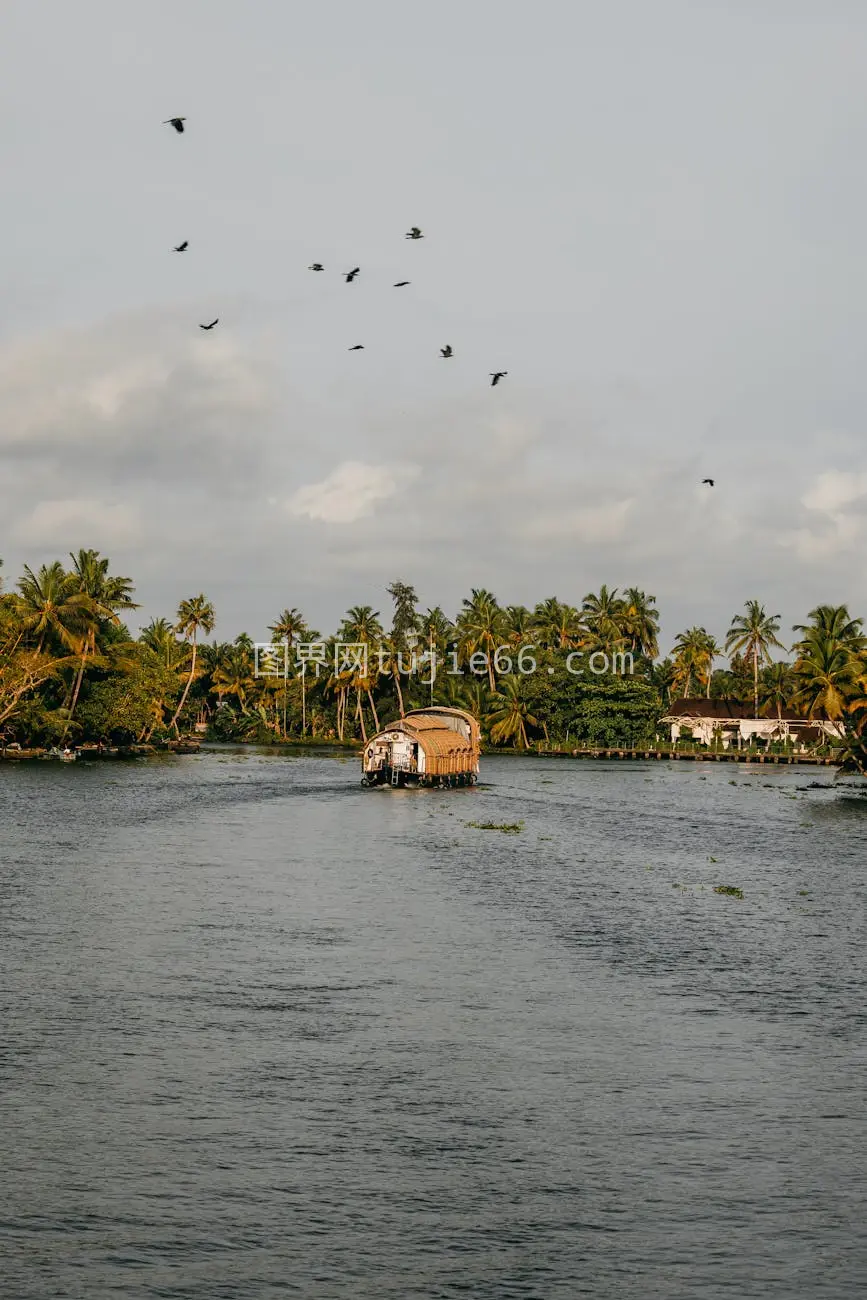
70,670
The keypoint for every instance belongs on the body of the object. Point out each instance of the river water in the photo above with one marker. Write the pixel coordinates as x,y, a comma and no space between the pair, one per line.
265,1033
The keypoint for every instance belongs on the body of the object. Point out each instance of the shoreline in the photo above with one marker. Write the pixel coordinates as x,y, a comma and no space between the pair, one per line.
182,748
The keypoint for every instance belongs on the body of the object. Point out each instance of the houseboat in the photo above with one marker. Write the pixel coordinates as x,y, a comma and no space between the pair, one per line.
426,747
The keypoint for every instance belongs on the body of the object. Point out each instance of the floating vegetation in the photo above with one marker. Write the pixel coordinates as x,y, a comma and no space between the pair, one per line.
803,892
711,859
732,782
731,891
508,828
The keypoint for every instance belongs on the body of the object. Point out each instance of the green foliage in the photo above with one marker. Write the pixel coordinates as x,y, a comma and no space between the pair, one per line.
606,712
508,828
69,667
128,706
226,725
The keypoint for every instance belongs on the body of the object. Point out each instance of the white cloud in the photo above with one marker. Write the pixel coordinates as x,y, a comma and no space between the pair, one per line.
831,527
68,522
350,491
835,489
137,390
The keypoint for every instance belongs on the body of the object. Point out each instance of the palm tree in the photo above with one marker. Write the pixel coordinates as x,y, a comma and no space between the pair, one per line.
710,649
664,676
558,626
160,637
290,628
233,674
828,676
604,618
830,664
753,634
518,625
453,692
508,716
340,682
481,629
362,627
694,652
777,686
438,631
194,615
392,662
477,698
641,623
106,595
52,607
833,622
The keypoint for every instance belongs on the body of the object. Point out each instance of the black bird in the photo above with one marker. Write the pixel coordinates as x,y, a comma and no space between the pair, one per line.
359,347
709,482
350,275
176,122
401,283
414,233
316,266
209,327
496,376
182,248
447,350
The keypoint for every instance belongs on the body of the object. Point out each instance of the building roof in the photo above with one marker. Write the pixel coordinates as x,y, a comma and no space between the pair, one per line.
437,711
727,711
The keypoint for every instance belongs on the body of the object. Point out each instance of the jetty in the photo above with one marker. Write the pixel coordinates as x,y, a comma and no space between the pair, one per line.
692,756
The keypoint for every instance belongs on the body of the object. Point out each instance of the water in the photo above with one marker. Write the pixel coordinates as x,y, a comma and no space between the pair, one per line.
265,1033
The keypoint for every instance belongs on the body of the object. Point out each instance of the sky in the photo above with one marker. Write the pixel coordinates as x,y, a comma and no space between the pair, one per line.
651,216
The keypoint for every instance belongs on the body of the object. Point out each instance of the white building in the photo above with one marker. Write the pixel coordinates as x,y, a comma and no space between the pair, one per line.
733,723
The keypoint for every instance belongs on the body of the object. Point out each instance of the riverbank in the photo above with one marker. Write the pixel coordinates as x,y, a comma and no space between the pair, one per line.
93,753
310,745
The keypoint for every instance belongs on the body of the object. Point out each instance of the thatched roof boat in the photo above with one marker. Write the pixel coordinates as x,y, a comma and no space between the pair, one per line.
435,746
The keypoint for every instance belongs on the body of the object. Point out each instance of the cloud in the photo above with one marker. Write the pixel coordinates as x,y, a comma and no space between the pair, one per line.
137,397
66,523
351,491
834,517
835,489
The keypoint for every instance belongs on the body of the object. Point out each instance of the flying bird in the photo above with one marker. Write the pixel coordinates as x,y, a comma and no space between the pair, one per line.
401,283
414,233
350,275
176,122
316,266
446,351
182,248
359,347
496,376
211,326
709,482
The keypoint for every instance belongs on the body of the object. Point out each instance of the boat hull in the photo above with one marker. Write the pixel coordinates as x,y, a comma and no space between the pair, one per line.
399,779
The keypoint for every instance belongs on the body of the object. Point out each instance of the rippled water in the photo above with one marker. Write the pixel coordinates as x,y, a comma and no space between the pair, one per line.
265,1033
